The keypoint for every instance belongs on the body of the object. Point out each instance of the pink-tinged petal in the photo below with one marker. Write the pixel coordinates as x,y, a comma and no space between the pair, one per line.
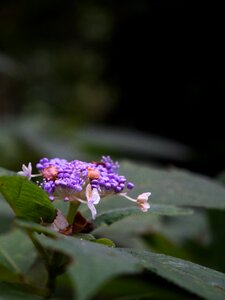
144,196
142,202
143,206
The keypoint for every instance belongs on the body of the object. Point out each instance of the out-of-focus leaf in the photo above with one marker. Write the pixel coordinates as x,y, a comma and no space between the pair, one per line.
200,280
6,216
5,223
106,242
193,227
15,292
144,286
39,134
6,275
161,244
175,187
5,172
130,142
217,247
31,226
127,232
108,262
111,216
221,177
92,263
179,230
14,249
26,199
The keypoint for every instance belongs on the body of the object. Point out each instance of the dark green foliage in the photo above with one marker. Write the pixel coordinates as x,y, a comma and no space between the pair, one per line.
89,262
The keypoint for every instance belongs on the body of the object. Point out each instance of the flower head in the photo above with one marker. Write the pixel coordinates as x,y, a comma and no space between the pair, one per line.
85,182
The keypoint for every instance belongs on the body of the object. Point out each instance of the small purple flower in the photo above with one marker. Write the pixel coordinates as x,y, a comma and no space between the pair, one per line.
85,182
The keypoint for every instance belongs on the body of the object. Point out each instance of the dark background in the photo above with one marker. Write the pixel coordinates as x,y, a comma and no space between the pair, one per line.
153,66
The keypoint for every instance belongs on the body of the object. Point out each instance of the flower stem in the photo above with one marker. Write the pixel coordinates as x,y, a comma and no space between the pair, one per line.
72,211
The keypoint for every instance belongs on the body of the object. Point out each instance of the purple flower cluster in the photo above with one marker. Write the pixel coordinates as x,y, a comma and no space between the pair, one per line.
82,182
71,178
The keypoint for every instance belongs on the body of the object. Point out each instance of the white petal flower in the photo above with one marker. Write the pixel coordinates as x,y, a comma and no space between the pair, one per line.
142,201
26,171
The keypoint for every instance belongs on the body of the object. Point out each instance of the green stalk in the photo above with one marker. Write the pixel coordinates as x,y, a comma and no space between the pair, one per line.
72,211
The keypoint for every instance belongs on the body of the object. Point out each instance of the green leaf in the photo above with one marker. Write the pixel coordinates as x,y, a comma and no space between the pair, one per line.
16,292
14,249
111,216
26,199
217,248
128,232
160,244
6,216
31,226
8,276
182,229
85,236
92,263
5,208
175,187
106,242
149,286
200,280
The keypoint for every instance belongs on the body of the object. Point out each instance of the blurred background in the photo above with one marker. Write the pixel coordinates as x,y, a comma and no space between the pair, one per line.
134,79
